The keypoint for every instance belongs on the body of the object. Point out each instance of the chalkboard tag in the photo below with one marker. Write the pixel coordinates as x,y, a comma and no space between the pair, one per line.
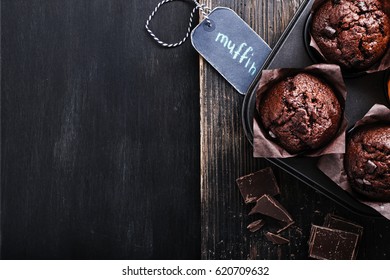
229,44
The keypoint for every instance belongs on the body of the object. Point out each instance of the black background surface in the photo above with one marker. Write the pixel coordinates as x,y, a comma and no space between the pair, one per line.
100,132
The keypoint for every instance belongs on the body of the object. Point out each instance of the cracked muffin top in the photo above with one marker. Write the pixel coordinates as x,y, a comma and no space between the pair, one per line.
301,113
367,161
354,34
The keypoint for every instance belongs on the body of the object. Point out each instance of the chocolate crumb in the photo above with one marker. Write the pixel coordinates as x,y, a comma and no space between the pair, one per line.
370,167
256,225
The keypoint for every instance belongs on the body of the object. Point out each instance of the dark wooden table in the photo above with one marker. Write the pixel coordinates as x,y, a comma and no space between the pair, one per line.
226,155
104,154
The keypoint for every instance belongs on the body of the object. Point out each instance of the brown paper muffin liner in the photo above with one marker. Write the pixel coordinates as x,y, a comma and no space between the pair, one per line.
381,65
329,73
333,165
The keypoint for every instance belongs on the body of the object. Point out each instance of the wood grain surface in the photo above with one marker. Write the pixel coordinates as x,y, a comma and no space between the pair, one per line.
100,132
226,155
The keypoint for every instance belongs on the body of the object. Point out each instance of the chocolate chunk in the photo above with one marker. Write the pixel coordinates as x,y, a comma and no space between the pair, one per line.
329,32
332,244
366,182
362,6
336,1
335,222
256,225
276,239
254,185
359,181
268,206
370,167
271,134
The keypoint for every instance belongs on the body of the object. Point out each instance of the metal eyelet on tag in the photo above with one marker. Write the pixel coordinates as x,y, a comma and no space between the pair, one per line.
209,25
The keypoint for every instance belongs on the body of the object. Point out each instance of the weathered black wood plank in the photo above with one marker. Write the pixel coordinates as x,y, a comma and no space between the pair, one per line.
226,155
100,132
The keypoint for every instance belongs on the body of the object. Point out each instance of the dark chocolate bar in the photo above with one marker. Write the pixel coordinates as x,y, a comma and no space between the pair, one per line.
332,244
254,185
335,222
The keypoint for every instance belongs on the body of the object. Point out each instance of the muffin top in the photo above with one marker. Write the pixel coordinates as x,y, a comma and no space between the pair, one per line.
301,113
354,34
367,161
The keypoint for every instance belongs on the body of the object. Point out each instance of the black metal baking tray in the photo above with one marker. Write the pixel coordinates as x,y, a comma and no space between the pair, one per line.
363,92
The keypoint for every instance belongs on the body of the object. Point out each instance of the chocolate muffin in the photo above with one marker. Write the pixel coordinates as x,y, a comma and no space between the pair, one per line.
367,161
354,34
301,113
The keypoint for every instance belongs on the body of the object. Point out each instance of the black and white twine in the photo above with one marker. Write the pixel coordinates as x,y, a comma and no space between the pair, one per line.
202,7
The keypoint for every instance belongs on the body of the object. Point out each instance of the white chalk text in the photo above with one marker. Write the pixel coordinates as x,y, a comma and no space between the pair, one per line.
242,53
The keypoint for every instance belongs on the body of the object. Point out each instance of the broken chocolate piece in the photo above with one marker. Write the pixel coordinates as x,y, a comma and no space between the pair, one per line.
256,184
335,222
370,167
268,206
332,244
256,225
329,32
276,238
